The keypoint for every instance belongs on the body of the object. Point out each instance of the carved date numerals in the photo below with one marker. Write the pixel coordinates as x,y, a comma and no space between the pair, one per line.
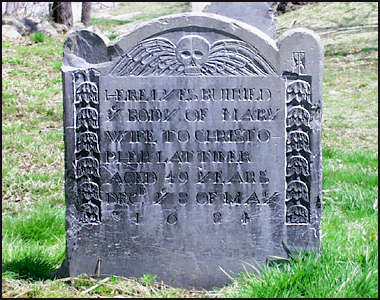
217,217
180,177
172,219
245,218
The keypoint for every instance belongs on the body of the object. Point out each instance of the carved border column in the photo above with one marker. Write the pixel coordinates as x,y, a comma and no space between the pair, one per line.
86,139
298,179
301,65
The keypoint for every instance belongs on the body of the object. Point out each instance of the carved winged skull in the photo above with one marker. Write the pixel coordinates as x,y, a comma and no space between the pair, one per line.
193,55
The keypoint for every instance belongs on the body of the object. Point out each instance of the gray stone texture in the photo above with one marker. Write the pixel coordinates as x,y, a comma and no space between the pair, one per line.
10,32
258,14
192,144
20,27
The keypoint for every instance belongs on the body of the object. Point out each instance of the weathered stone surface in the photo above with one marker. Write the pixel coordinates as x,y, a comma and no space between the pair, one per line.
88,45
20,27
30,9
258,14
191,144
31,24
61,28
9,32
47,29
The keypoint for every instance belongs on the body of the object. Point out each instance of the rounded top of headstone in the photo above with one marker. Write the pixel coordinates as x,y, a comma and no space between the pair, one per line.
210,26
208,36
196,22
301,33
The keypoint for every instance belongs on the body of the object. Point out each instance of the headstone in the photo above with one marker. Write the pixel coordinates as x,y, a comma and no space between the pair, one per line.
258,14
192,146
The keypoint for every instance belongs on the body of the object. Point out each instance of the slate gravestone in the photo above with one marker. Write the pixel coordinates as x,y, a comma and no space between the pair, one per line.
192,144
258,14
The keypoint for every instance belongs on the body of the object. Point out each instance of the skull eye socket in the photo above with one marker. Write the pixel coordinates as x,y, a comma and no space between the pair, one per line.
198,54
185,54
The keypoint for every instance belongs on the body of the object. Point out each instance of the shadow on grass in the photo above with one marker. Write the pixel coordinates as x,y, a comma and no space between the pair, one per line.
31,268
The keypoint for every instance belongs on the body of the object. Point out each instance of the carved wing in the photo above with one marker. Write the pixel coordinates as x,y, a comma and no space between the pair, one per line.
233,57
150,57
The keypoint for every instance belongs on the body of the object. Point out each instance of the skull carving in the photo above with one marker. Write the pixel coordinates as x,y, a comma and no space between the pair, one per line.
192,51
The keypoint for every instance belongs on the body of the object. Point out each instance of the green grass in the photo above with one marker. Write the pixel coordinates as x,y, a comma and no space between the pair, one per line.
33,225
37,37
310,276
15,60
113,36
104,24
149,10
350,182
33,241
348,264
146,10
